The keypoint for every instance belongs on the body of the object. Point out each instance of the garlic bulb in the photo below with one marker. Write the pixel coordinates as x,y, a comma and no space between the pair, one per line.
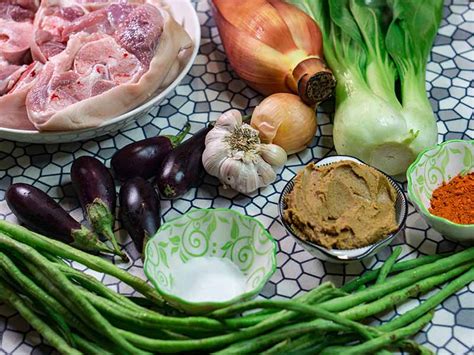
275,47
284,120
235,155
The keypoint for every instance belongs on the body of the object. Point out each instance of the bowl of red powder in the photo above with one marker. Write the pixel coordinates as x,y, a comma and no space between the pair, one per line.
441,188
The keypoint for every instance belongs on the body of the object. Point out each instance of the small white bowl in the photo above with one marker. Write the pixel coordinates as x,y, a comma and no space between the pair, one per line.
184,13
349,255
218,233
434,166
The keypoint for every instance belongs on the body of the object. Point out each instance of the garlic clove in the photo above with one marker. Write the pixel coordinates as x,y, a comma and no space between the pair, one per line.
216,134
265,172
229,120
213,157
242,177
273,154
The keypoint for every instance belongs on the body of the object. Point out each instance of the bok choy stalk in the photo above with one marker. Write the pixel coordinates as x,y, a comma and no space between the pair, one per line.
370,45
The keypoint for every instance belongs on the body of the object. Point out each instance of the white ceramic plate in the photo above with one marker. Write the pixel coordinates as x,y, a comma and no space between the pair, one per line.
185,14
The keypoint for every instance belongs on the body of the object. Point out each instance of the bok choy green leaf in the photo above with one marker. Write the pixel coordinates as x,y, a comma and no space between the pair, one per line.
371,45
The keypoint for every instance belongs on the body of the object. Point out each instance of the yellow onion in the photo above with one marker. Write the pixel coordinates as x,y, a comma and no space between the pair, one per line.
285,120
274,47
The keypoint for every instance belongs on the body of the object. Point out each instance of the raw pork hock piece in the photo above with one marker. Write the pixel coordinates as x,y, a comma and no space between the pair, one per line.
110,65
16,76
12,104
50,20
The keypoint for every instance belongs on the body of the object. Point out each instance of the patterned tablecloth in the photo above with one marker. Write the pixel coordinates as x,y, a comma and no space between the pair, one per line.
211,88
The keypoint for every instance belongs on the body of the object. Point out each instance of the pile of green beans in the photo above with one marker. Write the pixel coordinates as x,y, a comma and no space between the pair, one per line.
76,314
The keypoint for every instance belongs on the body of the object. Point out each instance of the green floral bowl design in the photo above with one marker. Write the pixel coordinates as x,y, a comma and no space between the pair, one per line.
433,167
220,233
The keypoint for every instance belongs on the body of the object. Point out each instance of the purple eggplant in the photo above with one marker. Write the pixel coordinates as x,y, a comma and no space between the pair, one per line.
183,167
146,155
139,210
95,187
38,211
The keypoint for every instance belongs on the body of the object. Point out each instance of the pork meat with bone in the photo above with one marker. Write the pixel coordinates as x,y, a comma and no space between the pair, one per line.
16,72
115,58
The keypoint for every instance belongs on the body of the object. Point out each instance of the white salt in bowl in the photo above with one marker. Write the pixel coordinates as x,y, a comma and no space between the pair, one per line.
229,258
184,13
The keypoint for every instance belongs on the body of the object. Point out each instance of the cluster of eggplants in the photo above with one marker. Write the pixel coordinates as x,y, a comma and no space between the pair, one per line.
39,212
176,167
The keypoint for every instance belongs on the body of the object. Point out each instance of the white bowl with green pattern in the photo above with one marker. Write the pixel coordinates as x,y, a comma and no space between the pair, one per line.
433,167
216,232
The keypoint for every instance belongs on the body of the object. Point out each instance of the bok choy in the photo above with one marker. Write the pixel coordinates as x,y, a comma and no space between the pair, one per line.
378,51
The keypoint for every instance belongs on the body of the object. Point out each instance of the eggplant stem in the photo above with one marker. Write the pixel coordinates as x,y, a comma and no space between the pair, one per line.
109,234
103,248
175,140
102,219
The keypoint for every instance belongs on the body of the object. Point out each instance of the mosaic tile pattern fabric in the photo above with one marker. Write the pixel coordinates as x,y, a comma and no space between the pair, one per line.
211,88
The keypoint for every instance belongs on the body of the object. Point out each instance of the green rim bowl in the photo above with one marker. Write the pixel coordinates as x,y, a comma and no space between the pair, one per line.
216,232
433,167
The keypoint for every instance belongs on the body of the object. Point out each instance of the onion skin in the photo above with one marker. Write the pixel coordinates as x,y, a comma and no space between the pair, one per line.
275,48
285,120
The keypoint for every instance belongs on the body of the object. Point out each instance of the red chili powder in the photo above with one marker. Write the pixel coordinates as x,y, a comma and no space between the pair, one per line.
455,200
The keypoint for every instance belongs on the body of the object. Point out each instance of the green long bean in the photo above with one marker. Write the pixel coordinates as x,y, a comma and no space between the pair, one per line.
398,281
400,266
259,342
68,315
94,285
388,265
382,341
85,311
309,297
314,311
28,286
384,303
401,280
427,305
293,345
431,302
255,332
98,307
313,296
88,347
153,318
146,318
206,344
25,283
62,250
44,329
